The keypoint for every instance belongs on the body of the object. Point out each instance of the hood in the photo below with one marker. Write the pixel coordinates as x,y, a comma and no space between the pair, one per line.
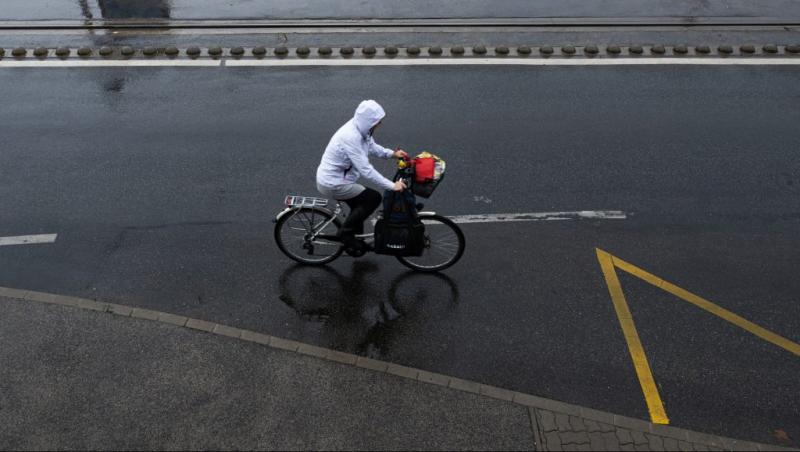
367,115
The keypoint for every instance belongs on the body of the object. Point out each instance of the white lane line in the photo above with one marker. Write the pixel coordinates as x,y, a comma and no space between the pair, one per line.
28,239
111,63
726,61
664,61
541,216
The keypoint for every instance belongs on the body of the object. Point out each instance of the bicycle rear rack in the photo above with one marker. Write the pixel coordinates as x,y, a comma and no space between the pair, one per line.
305,201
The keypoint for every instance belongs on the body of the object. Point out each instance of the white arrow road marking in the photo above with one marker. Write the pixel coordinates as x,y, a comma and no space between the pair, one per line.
541,216
28,239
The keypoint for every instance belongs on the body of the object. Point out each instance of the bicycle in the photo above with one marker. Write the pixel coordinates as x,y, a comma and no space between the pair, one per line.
306,231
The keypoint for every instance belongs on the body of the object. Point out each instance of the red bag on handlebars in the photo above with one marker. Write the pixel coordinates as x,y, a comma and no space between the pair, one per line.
423,169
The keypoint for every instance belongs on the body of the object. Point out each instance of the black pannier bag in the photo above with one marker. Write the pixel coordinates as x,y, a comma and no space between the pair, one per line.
400,232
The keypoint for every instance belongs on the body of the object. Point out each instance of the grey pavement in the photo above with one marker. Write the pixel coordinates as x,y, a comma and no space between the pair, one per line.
76,378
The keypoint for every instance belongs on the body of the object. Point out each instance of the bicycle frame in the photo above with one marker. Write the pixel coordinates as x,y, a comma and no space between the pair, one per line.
296,203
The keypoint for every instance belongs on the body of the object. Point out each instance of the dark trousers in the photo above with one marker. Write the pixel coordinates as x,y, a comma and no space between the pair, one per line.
361,207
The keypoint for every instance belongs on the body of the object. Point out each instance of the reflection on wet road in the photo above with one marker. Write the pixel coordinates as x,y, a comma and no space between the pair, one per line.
355,311
125,9
385,9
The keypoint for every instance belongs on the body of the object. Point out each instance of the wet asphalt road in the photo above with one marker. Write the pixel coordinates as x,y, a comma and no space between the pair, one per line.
162,184
386,9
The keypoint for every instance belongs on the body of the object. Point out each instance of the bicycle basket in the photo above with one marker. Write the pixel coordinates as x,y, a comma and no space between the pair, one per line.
433,168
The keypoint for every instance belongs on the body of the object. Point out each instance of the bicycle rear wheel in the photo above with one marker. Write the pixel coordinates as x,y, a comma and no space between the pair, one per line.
294,230
444,246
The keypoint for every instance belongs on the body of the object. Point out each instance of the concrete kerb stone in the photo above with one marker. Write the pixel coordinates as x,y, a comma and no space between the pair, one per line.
464,385
402,371
258,338
644,431
92,305
312,350
172,319
371,364
144,314
13,293
496,393
227,331
433,378
121,310
200,325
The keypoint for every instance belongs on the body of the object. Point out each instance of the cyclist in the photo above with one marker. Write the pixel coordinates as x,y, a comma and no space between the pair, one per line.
346,159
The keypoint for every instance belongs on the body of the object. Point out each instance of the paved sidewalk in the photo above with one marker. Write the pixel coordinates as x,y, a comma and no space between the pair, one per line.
74,376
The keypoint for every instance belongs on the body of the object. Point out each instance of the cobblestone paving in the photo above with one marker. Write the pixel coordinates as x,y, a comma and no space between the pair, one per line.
560,431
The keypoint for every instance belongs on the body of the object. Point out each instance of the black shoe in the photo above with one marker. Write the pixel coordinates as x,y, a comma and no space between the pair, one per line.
357,249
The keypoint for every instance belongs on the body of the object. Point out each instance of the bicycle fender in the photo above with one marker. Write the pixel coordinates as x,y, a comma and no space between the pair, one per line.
290,209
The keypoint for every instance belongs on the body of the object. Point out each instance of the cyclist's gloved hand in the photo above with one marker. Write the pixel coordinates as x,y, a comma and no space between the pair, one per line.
399,186
400,154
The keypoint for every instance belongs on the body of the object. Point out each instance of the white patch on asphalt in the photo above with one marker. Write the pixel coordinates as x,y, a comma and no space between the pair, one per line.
541,216
502,61
28,239
442,61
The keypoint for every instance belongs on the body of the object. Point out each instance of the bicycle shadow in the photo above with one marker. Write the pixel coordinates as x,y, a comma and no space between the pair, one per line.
360,312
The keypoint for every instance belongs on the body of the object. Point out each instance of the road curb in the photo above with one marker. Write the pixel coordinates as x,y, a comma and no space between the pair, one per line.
588,50
533,403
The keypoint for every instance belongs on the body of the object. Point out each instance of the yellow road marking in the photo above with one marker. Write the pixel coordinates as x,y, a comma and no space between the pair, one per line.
706,305
654,404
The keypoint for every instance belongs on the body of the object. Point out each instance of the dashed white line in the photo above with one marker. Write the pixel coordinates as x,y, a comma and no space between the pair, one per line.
28,239
541,216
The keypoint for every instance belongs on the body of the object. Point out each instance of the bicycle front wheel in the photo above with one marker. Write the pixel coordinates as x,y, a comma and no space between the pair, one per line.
444,245
297,235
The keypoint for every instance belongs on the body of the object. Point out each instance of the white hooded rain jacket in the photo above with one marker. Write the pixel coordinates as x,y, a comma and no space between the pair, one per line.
347,156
